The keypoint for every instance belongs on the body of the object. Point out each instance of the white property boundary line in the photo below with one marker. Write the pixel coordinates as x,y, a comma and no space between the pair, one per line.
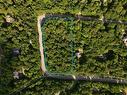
39,19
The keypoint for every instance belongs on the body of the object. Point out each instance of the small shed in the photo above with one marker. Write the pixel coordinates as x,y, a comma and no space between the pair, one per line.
125,40
16,75
9,19
79,53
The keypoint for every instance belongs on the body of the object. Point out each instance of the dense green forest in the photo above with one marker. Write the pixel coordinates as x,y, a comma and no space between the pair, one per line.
20,33
64,37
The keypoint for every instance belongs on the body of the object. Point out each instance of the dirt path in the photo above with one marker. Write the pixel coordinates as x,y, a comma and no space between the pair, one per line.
40,19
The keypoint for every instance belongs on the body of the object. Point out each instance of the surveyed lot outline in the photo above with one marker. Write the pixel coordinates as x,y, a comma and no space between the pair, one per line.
59,76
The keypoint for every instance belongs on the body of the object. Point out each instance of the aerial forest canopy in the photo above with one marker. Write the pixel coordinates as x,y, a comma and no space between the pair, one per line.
103,51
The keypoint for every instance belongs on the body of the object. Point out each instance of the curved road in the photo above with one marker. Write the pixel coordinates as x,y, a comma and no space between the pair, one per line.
41,20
